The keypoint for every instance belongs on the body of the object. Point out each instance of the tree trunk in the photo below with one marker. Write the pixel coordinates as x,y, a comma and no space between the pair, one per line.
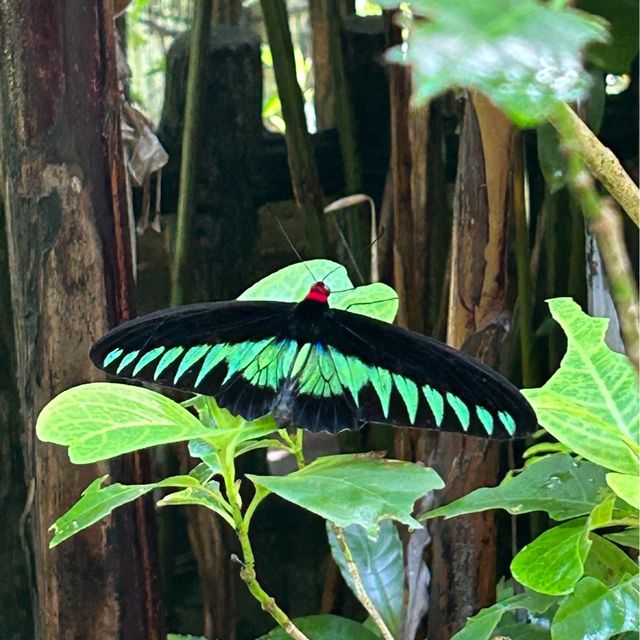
464,549
70,272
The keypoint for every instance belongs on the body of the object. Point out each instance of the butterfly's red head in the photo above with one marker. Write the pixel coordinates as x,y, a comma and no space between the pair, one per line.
319,292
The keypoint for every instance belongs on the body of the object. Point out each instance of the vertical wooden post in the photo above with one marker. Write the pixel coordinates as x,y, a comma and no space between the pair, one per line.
70,272
464,549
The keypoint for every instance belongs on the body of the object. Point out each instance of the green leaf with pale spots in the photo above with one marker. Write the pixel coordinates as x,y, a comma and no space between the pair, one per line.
558,484
292,284
591,403
356,489
101,420
522,54
98,501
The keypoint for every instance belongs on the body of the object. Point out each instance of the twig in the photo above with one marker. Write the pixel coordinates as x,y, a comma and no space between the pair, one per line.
248,572
600,160
606,226
361,594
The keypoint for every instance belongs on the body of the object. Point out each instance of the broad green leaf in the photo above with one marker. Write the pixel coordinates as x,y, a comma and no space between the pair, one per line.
591,402
554,561
292,284
622,16
381,567
523,631
325,627
597,612
607,562
522,54
101,420
206,452
558,484
481,626
98,501
627,538
356,489
626,486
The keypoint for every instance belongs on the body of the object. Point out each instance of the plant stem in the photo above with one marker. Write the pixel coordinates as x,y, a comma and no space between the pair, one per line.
248,572
295,445
361,594
606,226
198,49
600,160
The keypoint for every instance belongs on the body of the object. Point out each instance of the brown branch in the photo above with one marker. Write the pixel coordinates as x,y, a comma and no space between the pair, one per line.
605,224
600,160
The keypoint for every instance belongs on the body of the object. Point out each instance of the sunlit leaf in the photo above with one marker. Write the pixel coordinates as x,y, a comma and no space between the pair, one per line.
554,561
381,567
356,489
98,501
292,284
591,402
558,484
596,611
522,54
626,486
102,420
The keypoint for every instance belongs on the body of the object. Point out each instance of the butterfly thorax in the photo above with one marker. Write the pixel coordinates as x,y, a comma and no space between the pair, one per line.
307,320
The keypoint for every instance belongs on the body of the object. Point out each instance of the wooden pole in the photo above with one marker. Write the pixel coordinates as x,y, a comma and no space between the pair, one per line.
69,265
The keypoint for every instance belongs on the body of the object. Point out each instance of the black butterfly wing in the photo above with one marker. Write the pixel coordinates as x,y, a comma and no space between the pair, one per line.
234,351
365,370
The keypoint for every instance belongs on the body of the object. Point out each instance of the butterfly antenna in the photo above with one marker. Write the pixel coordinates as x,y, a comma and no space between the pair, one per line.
297,253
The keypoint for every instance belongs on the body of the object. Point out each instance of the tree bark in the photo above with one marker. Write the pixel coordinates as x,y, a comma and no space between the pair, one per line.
464,549
70,274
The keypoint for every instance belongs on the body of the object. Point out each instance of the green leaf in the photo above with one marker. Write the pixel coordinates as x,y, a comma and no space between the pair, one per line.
607,562
208,497
325,627
554,561
381,567
523,631
102,420
596,611
591,402
98,501
626,486
522,54
481,626
292,284
356,489
558,484
627,538
622,15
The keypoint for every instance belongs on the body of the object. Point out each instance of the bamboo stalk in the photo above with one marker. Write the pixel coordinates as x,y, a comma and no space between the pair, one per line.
302,165
188,163
600,160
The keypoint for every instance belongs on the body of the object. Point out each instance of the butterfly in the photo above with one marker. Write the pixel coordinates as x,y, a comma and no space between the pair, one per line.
314,366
